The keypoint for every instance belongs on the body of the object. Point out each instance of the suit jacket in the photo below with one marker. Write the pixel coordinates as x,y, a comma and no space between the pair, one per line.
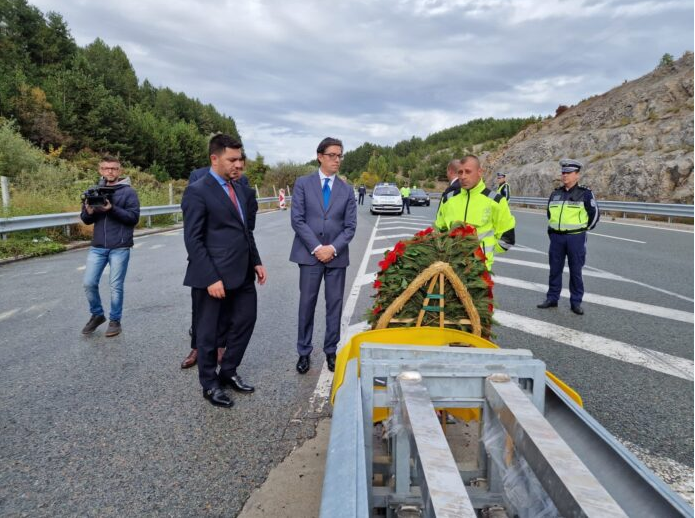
315,226
220,245
252,203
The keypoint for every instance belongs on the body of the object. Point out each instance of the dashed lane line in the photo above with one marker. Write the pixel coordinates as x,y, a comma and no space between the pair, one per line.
611,302
393,236
641,356
594,272
620,238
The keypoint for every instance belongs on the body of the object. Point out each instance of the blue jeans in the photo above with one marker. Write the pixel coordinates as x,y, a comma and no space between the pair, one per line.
97,259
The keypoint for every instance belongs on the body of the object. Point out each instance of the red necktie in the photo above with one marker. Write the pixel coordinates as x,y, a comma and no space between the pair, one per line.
233,197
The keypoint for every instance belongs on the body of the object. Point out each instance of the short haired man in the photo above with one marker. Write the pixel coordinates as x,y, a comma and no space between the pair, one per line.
572,211
112,240
476,205
503,186
324,219
251,210
453,176
361,193
222,263
405,195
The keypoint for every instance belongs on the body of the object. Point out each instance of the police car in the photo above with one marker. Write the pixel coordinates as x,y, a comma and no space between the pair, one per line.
386,199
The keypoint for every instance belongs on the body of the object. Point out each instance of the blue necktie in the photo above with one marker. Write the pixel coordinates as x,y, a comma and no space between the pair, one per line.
326,193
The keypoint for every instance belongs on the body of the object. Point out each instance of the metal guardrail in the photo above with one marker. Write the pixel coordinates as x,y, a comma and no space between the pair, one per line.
73,218
675,210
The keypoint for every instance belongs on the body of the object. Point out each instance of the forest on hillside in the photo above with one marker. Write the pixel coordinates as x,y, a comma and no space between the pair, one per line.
72,100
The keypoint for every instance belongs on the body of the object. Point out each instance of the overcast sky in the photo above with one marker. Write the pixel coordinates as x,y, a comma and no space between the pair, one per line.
292,72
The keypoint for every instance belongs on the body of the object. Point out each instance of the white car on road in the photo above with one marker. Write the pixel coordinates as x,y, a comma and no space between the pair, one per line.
386,199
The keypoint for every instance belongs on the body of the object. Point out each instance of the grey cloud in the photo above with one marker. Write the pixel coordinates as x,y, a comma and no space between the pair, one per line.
292,72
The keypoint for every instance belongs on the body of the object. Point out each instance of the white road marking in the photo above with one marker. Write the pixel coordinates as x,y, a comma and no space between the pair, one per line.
7,314
590,271
641,356
319,398
522,248
393,236
80,268
611,302
379,251
616,237
403,227
154,247
137,245
40,273
407,217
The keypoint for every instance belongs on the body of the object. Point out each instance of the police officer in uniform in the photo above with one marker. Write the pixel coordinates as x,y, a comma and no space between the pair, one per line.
572,210
478,206
503,186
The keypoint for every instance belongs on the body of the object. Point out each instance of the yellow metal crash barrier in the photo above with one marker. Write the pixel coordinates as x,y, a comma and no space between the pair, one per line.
425,336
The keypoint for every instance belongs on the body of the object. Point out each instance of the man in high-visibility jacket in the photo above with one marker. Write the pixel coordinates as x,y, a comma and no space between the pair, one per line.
405,194
503,186
572,210
478,206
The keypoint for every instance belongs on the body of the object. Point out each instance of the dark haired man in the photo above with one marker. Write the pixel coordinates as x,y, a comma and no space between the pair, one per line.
111,243
222,262
324,219
251,210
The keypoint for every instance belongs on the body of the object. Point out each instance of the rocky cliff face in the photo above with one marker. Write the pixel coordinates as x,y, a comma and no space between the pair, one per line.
636,142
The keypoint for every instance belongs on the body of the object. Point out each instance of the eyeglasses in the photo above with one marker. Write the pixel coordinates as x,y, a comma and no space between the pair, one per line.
333,156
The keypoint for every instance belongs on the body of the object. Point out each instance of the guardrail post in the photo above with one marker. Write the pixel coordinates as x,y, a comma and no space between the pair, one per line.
66,229
171,193
149,221
5,188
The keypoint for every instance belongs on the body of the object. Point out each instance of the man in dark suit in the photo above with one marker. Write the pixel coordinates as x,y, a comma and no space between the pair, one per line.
222,262
251,209
324,218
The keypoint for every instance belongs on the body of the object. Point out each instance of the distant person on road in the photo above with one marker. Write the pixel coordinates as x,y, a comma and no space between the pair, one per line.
452,175
405,194
361,193
503,186
222,263
572,211
251,209
112,240
478,206
324,219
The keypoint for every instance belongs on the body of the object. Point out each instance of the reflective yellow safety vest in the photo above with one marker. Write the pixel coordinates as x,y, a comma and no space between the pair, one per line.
567,210
485,210
405,192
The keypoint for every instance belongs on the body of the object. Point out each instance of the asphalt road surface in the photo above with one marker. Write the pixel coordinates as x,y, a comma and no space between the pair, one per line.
91,426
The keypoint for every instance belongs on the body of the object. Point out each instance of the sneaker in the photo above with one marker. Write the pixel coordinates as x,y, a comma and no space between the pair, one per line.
113,329
94,322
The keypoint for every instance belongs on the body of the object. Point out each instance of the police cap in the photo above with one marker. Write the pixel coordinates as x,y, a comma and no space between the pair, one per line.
570,166
501,175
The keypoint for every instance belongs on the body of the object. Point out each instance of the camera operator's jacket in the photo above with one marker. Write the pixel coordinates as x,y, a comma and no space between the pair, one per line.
483,209
114,228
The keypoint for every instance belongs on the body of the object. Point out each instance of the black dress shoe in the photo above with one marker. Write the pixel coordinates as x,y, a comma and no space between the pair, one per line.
218,398
577,309
547,304
330,360
235,382
303,364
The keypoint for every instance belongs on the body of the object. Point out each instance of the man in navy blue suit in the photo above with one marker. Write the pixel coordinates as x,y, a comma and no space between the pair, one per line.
222,263
251,210
324,219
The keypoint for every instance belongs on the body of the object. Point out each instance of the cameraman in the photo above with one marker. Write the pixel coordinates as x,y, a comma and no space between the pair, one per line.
114,221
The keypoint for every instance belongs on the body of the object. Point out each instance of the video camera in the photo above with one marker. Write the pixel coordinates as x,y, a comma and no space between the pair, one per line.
98,195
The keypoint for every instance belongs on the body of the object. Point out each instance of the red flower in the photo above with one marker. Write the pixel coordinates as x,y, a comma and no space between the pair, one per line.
376,310
465,230
377,284
425,232
399,248
390,258
490,308
488,280
489,292
480,254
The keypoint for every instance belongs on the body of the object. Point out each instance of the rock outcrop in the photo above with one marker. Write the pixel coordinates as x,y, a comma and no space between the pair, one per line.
636,142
